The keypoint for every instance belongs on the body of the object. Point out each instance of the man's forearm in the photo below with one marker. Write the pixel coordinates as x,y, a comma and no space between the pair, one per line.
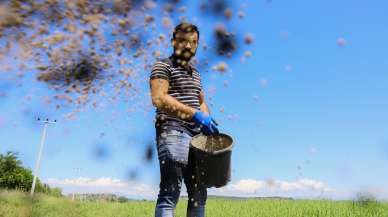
172,106
204,108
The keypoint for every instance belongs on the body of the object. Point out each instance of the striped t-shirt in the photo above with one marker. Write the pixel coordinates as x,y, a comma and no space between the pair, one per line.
185,86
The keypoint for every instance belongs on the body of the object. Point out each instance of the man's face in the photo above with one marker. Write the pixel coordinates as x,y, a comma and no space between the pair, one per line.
185,45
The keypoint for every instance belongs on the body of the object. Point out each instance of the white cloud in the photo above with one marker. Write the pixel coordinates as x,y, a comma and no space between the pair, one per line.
302,188
130,189
89,182
245,187
249,187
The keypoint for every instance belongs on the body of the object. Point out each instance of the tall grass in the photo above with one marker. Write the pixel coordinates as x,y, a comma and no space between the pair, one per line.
18,204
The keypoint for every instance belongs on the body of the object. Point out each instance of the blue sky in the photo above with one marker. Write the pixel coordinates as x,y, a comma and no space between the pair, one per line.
321,113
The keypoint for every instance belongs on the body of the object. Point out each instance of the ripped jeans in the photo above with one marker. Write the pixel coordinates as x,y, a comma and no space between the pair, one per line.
173,154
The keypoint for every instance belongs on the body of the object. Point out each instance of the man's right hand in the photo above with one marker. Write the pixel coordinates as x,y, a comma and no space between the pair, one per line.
207,124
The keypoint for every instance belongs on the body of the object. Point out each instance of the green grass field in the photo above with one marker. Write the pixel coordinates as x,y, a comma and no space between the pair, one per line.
17,204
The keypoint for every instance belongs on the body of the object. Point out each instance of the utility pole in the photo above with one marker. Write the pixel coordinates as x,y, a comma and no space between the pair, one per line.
36,172
78,170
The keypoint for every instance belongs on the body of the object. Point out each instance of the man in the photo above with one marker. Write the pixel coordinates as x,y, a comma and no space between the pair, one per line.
181,113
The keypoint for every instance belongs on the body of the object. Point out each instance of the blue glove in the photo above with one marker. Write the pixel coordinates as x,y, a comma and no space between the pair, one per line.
207,123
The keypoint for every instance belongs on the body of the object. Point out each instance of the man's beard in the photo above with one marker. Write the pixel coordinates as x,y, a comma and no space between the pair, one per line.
186,55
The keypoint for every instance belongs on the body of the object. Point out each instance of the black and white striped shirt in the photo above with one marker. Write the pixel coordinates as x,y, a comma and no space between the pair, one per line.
185,86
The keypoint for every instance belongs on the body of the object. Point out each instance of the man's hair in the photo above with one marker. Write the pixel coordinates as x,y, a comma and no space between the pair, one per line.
186,28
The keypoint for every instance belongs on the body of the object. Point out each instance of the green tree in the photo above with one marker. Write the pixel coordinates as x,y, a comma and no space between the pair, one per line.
12,173
14,176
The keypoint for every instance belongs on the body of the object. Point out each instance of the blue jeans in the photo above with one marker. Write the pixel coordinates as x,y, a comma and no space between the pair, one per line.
173,154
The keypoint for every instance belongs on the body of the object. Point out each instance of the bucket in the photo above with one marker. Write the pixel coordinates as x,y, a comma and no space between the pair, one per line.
211,159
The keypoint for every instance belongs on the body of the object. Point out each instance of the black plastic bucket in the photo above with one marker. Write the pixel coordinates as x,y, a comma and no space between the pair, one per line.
211,156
